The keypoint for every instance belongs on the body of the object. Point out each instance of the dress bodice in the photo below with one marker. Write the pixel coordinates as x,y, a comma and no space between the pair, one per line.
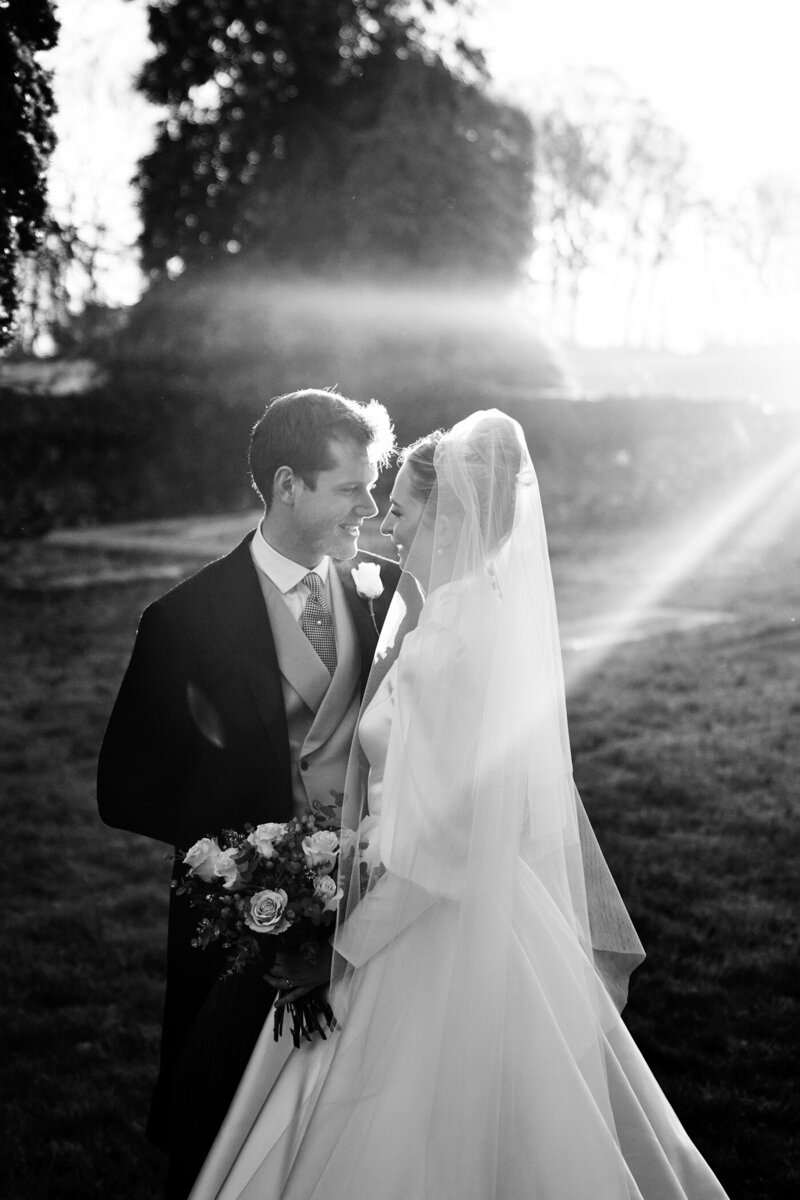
373,733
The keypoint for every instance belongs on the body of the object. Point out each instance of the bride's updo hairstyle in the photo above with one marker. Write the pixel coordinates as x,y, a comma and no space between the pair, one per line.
478,471
418,457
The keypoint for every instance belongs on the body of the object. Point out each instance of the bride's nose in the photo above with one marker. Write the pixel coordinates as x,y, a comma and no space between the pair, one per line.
387,525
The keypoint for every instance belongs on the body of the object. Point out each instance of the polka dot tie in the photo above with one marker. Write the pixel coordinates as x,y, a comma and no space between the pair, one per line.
317,623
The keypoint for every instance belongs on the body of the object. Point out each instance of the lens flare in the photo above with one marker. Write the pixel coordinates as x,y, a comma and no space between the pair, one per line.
757,515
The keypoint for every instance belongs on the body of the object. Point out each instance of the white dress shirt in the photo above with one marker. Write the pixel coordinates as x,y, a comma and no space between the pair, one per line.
287,575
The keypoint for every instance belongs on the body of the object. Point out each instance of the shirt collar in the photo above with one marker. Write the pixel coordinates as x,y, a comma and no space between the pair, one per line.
283,572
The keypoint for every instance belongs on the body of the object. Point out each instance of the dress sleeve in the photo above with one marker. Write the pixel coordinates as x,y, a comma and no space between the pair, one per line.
425,833
436,743
389,908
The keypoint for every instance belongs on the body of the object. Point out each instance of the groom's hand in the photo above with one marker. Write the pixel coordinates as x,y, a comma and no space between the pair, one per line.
294,976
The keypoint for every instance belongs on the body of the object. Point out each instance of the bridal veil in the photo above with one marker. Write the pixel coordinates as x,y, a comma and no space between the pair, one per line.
482,949
479,812
479,770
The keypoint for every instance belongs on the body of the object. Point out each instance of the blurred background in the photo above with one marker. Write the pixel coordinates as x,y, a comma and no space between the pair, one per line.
587,215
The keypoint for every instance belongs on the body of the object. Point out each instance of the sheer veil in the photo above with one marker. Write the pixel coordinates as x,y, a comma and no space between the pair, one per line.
478,771
482,950
479,862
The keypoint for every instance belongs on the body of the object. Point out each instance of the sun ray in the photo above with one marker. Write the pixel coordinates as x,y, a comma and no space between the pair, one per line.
758,513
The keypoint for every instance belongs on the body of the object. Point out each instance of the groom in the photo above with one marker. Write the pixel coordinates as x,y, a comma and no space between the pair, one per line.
239,705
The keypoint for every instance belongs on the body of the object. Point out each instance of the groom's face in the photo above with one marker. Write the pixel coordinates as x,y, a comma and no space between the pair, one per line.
327,518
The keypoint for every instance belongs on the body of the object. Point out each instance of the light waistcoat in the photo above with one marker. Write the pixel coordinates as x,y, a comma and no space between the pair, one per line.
321,710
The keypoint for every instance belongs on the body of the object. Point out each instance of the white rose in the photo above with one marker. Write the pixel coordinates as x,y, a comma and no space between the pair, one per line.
264,836
202,857
367,578
325,889
325,841
265,912
320,850
226,868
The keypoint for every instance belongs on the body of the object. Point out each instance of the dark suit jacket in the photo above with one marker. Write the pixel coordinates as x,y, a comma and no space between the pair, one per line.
197,742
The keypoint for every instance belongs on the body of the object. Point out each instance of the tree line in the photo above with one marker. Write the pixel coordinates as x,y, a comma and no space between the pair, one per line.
27,27
353,138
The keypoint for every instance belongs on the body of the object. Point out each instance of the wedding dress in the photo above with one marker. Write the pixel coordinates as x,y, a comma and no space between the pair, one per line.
478,1053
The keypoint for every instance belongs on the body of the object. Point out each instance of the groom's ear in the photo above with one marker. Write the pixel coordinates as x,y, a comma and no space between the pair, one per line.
283,486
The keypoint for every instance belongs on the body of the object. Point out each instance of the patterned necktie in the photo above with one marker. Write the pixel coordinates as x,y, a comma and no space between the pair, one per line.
317,623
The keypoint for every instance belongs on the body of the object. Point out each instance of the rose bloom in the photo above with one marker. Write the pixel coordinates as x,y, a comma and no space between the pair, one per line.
264,836
265,912
367,578
325,889
324,841
226,868
202,857
320,850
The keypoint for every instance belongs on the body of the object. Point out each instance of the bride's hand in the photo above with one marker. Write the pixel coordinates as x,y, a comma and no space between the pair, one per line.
293,976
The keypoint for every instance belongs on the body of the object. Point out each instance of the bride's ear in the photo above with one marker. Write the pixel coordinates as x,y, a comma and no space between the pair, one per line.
445,532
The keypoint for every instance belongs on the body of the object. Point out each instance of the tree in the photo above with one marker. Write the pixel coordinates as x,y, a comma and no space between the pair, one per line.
765,230
327,135
27,27
573,178
441,183
653,195
65,262
612,190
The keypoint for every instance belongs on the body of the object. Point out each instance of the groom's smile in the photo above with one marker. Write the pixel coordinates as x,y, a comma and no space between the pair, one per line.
327,517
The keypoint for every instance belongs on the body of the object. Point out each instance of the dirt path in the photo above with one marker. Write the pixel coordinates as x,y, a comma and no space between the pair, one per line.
171,549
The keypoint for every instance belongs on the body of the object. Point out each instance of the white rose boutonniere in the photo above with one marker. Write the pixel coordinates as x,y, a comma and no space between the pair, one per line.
367,578
202,857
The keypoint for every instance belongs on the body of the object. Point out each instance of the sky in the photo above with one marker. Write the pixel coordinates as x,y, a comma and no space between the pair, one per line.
723,72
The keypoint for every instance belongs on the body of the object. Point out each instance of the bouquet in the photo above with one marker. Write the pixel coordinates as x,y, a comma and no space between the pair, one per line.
271,881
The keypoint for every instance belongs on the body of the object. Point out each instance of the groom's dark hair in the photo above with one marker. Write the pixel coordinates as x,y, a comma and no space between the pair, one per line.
297,429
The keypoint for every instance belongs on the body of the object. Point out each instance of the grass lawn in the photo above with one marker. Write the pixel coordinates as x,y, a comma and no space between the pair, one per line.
686,753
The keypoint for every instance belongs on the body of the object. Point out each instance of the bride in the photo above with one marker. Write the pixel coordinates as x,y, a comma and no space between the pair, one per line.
482,950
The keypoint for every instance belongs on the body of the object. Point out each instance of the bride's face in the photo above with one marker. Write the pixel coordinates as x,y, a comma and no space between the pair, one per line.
403,522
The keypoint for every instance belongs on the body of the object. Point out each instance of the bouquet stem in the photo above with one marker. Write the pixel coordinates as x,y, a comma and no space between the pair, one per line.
309,1014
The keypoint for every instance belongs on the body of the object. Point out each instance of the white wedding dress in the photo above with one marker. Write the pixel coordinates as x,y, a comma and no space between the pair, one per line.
575,1113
